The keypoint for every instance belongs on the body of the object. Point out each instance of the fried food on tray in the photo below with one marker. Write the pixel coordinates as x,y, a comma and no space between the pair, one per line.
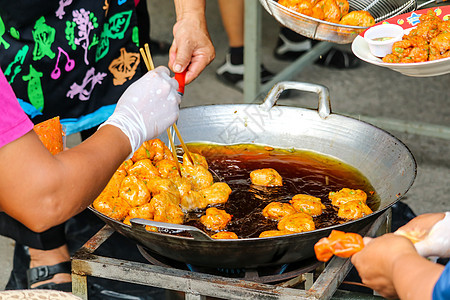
225,235
338,243
198,160
217,193
298,222
353,210
358,18
330,10
198,176
215,219
269,233
193,200
346,195
307,204
266,177
297,5
143,169
278,210
334,11
430,40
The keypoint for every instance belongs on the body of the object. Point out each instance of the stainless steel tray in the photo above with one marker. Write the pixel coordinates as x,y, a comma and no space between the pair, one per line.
331,32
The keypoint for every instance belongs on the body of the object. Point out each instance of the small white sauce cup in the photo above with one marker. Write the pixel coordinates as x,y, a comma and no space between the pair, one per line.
381,48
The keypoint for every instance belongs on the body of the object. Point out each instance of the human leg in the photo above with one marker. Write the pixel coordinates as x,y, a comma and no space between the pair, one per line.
231,72
36,250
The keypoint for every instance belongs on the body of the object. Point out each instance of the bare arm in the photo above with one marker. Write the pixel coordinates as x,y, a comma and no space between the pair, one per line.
41,190
192,47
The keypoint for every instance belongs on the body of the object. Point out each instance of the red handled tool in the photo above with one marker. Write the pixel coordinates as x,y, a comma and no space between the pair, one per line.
181,78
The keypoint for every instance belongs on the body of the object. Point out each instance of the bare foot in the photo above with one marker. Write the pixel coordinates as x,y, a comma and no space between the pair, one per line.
50,258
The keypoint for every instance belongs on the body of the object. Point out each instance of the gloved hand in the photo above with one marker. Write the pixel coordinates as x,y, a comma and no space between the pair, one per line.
147,107
437,242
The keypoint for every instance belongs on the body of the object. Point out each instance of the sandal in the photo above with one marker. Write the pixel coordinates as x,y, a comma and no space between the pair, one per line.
42,273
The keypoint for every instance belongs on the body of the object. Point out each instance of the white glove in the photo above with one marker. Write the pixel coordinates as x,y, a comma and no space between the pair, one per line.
437,242
147,107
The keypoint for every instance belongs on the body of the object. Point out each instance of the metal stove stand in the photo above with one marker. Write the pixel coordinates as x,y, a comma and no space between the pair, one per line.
197,285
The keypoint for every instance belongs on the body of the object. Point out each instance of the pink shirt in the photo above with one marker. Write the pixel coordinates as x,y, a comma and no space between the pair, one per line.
14,123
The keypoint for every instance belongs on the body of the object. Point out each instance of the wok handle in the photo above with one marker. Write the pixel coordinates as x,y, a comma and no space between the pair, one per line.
324,107
196,233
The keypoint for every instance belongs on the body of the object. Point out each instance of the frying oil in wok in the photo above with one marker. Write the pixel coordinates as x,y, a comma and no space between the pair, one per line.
303,172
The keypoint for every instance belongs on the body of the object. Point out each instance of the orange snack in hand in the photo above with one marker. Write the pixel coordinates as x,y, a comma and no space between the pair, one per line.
338,243
51,135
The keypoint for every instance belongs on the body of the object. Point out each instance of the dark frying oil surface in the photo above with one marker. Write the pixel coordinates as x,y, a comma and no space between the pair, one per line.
303,172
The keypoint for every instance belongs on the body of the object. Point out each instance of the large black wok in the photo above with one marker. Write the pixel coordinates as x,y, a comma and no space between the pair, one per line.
383,159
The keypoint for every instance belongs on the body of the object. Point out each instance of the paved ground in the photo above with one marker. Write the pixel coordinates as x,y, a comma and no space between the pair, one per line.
367,91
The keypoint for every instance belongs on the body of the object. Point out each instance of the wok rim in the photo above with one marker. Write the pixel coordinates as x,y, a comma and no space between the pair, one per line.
293,235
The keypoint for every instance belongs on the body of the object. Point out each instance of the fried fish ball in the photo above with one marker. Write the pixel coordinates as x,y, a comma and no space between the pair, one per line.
159,185
198,160
134,191
114,183
266,177
346,195
217,193
125,166
112,206
183,185
307,204
143,169
215,219
358,18
158,150
164,210
167,168
330,9
141,153
353,210
145,211
269,233
298,222
193,200
198,176
278,210
225,235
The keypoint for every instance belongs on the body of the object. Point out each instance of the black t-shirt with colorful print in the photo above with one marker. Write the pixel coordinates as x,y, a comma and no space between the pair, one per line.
69,58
